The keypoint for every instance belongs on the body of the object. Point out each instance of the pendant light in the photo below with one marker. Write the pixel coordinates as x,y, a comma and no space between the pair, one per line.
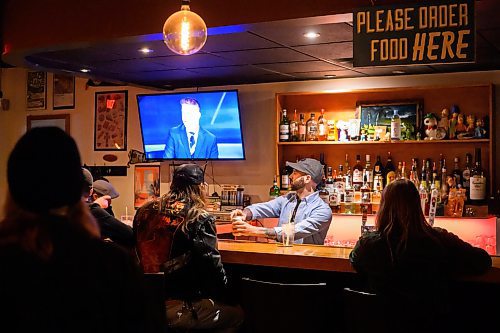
184,32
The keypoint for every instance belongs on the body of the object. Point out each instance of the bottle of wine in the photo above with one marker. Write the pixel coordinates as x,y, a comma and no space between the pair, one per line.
285,179
395,126
477,182
284,127
457,173
390,170
274,191
302,128
294,128
466,175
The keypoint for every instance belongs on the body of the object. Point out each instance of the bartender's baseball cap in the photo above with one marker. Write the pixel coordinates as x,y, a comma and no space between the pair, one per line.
189,173
102,187
309,166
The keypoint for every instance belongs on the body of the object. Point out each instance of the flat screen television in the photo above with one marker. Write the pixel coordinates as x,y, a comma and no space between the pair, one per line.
191,126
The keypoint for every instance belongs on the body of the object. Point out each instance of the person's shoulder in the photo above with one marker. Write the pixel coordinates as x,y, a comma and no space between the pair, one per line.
372,238
207,133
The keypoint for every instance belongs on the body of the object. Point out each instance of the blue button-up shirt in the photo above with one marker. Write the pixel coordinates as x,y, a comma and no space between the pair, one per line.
312,218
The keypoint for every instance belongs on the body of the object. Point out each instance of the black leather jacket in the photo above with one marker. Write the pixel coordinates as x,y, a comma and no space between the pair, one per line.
189,258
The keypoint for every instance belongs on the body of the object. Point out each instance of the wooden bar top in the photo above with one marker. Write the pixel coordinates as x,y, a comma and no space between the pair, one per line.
315,257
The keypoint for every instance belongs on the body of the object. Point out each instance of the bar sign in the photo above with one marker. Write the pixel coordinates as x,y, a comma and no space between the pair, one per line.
438,32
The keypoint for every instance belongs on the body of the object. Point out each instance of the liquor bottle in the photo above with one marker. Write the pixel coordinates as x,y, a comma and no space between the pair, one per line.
403,171
368,171
312,129
477,182
428,173
466,175
443,190
340,181
399,171
348,199
434,173
322,161
323,192
346,163
284,127
377,193
457,173
357,174
395,126
424,197
322,127
378,168
274,191
330,182
390,170
333,134
294,128
365,190
302,128
285,179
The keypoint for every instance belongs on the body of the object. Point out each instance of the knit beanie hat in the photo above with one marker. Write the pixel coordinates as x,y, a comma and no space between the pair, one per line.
44,170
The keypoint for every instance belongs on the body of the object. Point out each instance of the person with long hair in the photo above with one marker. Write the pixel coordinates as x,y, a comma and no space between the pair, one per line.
176,235
56,275
409,263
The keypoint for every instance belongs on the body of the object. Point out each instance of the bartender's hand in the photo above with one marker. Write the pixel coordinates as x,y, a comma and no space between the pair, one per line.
238,213
242,228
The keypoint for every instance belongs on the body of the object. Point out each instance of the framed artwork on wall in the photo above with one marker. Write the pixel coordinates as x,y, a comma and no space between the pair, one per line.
110,126
59,120
146,184
379,114
63,93
36,90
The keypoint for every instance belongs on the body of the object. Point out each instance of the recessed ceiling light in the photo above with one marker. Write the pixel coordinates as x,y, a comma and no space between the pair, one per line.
145,50
84,70
330,76
398,72
312,34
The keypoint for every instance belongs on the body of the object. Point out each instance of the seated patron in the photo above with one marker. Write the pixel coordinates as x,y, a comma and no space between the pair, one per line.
56,274
111,228
176,235
104,190
409,264
311,215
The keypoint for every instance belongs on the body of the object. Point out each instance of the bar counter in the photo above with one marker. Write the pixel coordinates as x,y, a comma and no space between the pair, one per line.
309,257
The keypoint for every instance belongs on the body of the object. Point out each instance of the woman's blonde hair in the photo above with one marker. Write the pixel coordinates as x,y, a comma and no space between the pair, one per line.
193,196
31,231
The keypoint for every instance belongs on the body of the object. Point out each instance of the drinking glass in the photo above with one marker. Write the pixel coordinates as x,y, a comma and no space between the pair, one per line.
288,234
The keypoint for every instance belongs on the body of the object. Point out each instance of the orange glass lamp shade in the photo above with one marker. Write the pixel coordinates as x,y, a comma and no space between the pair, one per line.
184,32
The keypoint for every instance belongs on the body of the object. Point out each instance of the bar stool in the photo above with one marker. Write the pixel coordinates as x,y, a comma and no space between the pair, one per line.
284,307
154,290
362,312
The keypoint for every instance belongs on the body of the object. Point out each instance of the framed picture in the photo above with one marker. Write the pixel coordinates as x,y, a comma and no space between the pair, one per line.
59,120
110,127
146,184
380,114
63,96
36,90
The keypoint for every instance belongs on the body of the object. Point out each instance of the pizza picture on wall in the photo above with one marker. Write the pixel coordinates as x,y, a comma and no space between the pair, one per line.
110,127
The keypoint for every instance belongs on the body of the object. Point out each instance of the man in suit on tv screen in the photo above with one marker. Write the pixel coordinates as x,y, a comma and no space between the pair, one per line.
189,140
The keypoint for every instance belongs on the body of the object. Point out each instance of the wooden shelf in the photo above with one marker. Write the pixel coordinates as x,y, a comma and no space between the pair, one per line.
403,142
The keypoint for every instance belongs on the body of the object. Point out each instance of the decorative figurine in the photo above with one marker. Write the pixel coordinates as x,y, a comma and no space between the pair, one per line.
470,123
460,127
430,122
480,131
444,122
453,123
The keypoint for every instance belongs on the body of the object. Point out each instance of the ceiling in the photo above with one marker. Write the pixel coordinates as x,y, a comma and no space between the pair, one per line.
254,53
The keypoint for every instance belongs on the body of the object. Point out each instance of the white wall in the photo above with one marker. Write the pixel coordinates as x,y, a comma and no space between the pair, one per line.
258,118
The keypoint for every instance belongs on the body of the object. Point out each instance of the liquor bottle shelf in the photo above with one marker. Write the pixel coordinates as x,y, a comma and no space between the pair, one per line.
404,142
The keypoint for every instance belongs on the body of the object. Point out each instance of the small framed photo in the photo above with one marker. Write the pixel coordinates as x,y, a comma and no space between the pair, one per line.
146,184
380,113
59,120
63,96
110,127
36,90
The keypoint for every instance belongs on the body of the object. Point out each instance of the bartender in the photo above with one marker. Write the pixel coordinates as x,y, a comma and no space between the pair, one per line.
311,215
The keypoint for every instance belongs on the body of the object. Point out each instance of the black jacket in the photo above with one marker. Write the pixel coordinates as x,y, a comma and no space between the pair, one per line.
87,285
416,282
112,228
190,258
